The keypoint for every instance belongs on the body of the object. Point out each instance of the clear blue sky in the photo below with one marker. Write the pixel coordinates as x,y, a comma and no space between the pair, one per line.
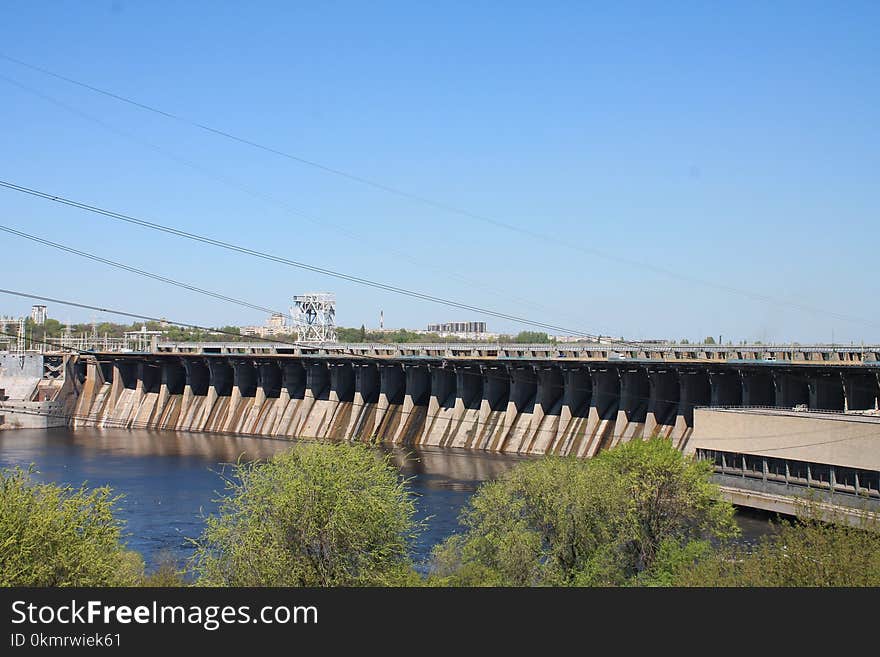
738,143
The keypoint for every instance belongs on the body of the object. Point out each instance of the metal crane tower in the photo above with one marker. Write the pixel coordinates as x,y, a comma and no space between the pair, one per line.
315,312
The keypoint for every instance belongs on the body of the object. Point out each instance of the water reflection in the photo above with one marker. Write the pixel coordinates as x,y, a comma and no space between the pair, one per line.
170,479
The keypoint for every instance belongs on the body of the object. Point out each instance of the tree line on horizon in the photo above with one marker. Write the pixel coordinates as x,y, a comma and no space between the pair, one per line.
53,329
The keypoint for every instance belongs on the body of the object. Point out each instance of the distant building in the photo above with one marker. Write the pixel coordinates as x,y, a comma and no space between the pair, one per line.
276,322
38,315
458,327
462,330
601,339
142,340
276,325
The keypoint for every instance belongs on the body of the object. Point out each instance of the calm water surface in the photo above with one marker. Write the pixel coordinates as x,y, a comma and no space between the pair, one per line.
170,480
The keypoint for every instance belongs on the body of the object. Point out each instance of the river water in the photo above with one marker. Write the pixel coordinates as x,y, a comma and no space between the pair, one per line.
170,480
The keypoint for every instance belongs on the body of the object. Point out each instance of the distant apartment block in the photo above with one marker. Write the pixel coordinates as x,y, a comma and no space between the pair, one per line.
458,327
275,325
38,315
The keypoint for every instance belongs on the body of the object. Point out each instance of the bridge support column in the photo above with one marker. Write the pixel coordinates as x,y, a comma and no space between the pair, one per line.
366,396
220,377
545,417
244,387
309,421
663,403
118,405
415,404
270,380
290,397
341,398
198,376
146,396
725,388
694,390
493,407
575,410
124,376
757,388
826,393
604,403
635,390
317,381
137,398
244,378
172,382
208,416
860,391
196,384
293,382
791,390
440,406
266,407
93,382
391,391
520,406
173,378
148,377
466,416
341,382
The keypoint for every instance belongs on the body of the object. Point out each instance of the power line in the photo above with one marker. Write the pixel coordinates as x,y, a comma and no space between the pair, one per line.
148,318
285,261
440,205
141,272
338,229
230,299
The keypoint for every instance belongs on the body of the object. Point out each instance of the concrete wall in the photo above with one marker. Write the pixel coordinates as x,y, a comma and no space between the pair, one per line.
518,406
32,415
19,376
844,440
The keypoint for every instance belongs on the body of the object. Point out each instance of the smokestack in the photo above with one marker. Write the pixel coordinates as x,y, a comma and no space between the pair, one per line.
381,319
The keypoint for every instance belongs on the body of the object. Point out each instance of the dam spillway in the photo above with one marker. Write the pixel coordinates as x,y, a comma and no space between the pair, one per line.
517,400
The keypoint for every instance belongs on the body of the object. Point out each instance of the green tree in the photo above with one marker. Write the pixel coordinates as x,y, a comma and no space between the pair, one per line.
167,573
531,337
52,328
632,514
363,336
61,536
348,334
708,340
805,552
317,515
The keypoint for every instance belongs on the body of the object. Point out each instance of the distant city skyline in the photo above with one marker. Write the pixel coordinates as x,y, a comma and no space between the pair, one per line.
730,147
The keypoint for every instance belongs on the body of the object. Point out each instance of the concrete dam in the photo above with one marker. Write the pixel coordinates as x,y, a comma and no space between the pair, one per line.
521,399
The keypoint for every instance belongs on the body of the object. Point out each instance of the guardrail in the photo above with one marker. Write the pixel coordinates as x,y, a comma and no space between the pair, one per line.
764,355
575,347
